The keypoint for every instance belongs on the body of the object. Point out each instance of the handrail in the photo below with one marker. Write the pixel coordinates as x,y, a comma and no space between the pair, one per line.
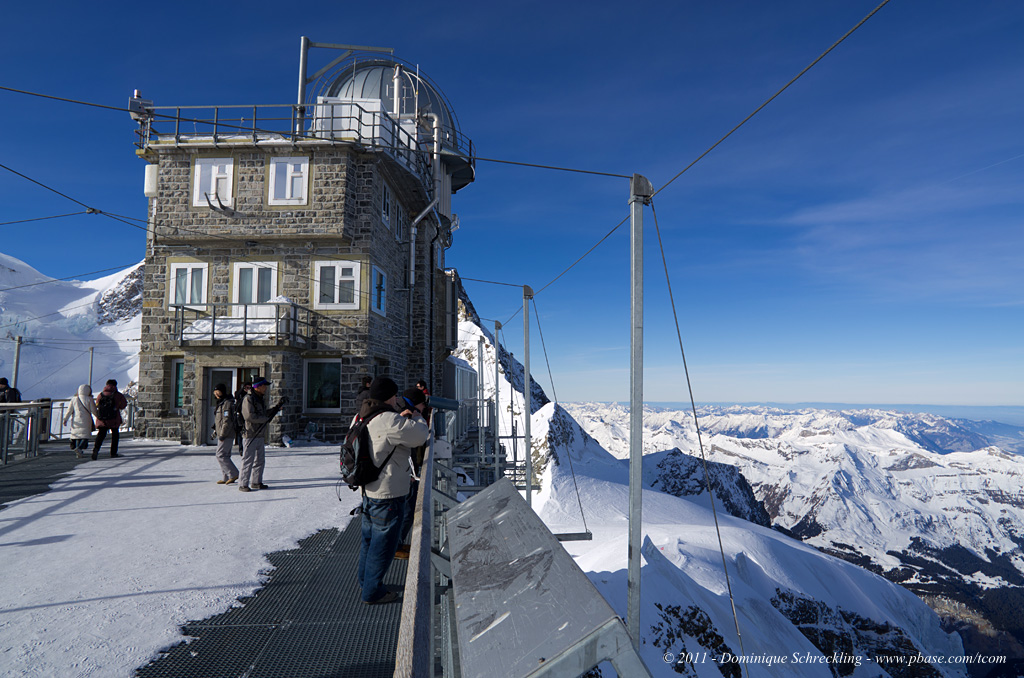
414,657
199,322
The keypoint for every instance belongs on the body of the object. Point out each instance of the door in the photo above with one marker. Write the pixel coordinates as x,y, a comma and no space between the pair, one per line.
214,376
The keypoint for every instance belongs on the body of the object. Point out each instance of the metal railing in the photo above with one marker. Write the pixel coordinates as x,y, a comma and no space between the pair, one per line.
277,323
344,121
23,426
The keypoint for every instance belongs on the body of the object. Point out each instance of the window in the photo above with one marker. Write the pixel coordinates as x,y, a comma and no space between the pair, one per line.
255,282
336,284
187,284
378,295
399,221
213,177
289,178
321,389
178,384
385,206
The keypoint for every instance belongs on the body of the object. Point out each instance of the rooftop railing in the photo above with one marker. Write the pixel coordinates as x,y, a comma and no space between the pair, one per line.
343,121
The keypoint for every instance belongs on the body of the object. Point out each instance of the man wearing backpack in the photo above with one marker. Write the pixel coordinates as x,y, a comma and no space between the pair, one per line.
257,415
108,417
392,437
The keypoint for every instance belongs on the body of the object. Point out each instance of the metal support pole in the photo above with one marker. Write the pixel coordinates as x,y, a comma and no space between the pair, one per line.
481,406
527,405
17,359
303,56
497,412
91,349
640,191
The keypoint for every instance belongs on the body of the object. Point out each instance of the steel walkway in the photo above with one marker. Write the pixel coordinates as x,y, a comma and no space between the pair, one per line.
306,622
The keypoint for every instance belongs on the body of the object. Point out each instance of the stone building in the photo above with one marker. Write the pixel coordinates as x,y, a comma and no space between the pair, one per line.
305,243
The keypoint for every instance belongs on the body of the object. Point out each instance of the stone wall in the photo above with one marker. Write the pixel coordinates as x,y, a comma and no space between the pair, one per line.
342,221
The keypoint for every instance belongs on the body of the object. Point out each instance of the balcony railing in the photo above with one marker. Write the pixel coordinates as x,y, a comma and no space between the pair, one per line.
275,324
344,121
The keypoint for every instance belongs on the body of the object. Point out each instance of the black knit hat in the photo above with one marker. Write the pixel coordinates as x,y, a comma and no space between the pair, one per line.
383,389
221,387
413,396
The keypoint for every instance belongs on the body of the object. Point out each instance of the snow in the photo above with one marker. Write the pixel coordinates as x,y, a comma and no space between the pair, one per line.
58,323
101,571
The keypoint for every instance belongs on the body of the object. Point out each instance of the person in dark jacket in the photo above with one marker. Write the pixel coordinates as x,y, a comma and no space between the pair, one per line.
257,416
8,394
109,404
364,393
239,422
224,425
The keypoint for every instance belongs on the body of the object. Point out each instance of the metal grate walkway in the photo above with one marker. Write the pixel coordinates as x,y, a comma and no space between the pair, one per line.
307,622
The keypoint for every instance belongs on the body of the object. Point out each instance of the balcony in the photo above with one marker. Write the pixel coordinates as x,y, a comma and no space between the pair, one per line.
265,324
357,122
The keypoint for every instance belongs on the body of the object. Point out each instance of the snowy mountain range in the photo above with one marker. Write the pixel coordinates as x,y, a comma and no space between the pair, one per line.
795,593
817,513
59,320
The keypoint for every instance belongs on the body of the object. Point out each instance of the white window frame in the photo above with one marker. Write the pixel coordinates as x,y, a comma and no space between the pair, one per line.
378,297
172,280
305,386
227,173
290,174
338,266
385,205
174,406
255,265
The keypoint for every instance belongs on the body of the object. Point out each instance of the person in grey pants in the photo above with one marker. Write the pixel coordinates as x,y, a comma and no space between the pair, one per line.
224,425
256,416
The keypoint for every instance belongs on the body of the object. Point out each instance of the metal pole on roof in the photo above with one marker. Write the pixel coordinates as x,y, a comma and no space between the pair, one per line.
640,192
303,57
527,296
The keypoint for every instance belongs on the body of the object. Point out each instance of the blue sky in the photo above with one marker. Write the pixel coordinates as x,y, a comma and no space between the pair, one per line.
860,240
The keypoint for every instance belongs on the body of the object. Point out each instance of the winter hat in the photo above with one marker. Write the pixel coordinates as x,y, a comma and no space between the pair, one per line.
221,387
111,382
259,381
413,396
383,389
3,381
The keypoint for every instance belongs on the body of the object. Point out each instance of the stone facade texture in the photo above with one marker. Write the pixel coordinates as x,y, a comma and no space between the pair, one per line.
342,220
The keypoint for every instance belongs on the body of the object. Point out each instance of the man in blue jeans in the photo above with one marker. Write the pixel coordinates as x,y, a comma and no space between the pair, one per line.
383,504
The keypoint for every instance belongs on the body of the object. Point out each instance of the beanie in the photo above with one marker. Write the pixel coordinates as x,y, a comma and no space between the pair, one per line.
382,388
414,396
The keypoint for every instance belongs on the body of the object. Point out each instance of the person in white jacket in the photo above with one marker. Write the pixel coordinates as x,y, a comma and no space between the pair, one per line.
81,410
383,506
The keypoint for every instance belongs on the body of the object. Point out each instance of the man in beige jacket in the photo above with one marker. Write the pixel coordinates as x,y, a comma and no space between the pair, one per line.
383,507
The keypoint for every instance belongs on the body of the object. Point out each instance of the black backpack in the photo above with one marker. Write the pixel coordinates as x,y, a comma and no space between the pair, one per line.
106,407
357,467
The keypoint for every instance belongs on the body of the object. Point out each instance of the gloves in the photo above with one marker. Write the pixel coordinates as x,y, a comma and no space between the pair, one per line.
274,410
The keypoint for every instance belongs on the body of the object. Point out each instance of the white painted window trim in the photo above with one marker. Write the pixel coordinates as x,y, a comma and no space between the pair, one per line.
304,173
237,266
378,298
356,267
172,279
305,384
199,191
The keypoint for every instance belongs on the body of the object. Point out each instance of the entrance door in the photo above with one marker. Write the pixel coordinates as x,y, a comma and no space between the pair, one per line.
214,376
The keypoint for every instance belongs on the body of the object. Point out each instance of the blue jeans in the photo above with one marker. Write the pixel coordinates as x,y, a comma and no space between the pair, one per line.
382,526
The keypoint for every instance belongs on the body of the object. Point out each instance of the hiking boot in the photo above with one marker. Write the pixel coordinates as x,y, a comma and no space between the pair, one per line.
388,597
95,456
222,481
229,481
243,488
262,486
402,553
114,455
